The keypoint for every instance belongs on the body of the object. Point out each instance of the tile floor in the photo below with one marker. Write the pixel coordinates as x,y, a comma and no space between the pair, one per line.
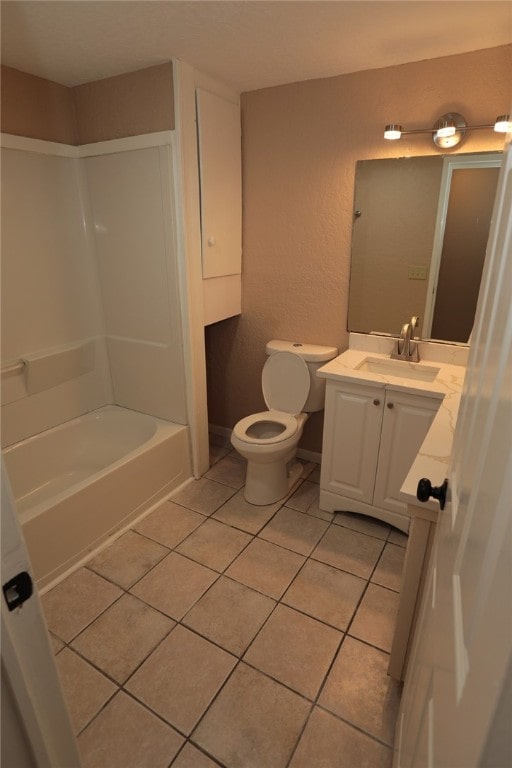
216,633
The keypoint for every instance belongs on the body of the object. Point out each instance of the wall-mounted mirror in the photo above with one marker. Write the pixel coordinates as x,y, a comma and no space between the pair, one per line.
419,236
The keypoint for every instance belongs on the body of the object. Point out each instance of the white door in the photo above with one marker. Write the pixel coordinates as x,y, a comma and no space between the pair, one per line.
455,698
41,733
220,171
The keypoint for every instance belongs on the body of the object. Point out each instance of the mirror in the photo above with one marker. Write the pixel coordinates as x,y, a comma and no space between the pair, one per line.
419,236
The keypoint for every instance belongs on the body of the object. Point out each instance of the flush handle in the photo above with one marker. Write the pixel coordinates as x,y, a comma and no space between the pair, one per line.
425,490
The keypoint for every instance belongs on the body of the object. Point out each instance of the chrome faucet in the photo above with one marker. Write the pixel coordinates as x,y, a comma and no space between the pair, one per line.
406,348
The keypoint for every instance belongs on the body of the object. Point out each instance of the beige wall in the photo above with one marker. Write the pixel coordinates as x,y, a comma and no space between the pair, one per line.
37,108
300,146
127,105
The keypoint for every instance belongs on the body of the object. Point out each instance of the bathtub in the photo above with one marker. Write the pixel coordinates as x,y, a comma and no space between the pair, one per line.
79,483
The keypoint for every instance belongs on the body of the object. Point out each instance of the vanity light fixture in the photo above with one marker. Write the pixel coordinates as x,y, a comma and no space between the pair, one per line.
449,131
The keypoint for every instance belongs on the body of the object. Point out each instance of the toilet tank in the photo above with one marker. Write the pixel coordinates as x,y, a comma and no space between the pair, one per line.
314,355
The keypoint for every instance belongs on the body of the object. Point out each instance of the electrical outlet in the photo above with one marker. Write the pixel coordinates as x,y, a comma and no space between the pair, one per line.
417,273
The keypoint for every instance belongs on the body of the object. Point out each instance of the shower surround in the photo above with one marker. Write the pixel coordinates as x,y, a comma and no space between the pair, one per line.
91,320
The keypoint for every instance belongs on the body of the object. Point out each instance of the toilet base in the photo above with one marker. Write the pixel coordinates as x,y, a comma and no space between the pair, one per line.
268,483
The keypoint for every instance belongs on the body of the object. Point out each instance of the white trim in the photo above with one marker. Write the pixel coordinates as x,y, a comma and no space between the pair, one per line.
302,453
126,144
56,149
188,221
39,146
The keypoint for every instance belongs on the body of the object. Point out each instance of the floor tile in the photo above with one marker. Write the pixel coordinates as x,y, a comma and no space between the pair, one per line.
76,601
325,593
203,495
174,585
191,757
398,537
294,530
85,689
121,638
349,550
126,560
214,544
295,650
359,690
266,568
314,475
362,523
308,467
304,496
223,441
248,517
230,614
126,735
230,471
169,524
388,572
180,678
330,743
375,619
314,509
254,722
217,452
57,644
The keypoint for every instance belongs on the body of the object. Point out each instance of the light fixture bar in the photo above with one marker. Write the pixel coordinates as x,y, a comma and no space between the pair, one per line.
449,130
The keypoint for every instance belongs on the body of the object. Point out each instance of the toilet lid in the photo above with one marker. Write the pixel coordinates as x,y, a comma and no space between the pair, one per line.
285,382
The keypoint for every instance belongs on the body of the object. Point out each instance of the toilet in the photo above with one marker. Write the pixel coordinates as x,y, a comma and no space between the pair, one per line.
269,439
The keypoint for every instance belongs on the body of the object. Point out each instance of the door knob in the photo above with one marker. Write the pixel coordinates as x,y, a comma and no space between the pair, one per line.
425,490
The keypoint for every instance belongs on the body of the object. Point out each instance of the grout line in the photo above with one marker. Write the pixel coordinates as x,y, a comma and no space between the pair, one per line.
240,658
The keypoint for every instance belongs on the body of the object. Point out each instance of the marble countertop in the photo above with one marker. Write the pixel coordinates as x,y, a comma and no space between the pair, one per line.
433,458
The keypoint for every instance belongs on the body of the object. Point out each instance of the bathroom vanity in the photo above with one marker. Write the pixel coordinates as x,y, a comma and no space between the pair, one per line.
377,414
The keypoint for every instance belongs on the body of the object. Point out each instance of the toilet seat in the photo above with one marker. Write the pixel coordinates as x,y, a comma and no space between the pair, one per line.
285,382
287,420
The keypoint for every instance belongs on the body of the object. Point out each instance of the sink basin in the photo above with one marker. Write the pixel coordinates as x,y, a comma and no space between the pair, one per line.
400,368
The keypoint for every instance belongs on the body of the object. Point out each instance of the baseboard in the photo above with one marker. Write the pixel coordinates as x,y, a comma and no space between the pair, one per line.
213,429
302,453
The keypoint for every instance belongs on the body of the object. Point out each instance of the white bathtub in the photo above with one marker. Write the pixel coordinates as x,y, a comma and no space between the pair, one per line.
77,484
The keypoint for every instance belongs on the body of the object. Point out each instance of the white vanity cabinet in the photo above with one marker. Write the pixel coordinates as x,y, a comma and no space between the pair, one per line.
371,437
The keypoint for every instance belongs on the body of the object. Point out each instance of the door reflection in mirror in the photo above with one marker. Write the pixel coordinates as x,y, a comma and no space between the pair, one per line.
404,209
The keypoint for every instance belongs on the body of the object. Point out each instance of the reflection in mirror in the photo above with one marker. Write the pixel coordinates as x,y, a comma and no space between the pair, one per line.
418,242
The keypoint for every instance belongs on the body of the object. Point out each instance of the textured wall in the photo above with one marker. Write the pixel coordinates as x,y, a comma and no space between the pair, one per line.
127,105
300,146
37,108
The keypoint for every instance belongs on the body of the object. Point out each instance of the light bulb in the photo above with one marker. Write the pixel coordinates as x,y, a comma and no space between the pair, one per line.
393,132
503,124
445,130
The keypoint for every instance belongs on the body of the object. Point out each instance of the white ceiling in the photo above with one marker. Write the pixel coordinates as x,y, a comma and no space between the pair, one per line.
248,44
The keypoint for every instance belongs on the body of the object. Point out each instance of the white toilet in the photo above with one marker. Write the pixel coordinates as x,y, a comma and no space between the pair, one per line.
268,440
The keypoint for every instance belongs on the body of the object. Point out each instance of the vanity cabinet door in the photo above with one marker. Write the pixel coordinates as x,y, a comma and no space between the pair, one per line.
406,421
352,426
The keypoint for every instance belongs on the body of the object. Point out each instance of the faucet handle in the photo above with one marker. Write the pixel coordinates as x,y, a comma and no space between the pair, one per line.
414,323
